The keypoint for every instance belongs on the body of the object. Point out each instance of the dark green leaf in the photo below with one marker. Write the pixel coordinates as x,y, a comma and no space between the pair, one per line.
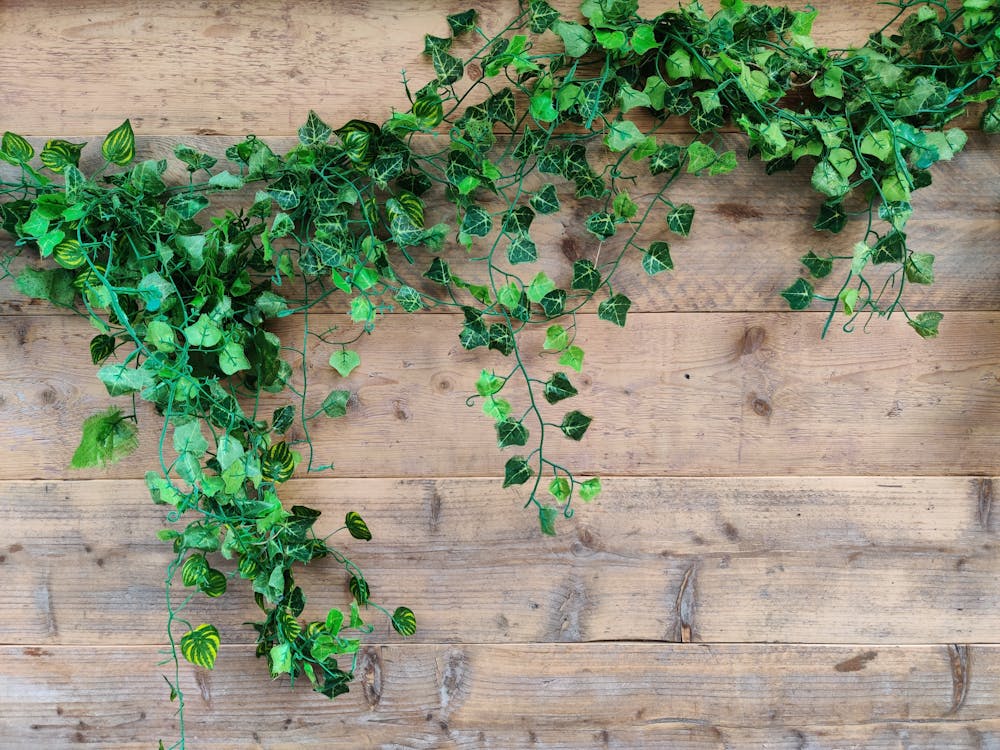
438,272
666,158
890,249
282,418
518,219
409,299
516,471
477,221
462,23
657,259
101,347
545,201
357,527
601,225
553,303
16,148
818,267
501,338
59,154
585,275
522,249
404,621
314,132
558,387
511,432
799,294
575,424
680,218
277,464
447,67
614,309
542,15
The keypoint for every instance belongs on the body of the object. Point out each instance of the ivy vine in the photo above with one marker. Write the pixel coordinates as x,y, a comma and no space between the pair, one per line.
550,111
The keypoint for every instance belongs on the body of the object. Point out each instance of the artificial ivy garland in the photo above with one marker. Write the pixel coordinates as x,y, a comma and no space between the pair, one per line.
181,298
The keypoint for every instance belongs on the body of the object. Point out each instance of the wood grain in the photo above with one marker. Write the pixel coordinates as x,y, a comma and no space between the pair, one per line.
675,394
812,560
471,696
180,67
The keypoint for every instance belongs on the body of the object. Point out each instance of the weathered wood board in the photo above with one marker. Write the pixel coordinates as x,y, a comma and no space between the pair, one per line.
796,546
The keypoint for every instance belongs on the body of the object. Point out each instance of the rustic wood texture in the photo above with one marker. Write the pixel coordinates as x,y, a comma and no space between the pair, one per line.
811,560
471,696
796,546
674,394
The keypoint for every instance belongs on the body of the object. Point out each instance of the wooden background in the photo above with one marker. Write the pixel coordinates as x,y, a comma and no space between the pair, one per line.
796,546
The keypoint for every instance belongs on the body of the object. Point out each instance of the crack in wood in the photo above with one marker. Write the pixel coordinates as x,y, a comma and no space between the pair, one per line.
985,498
961,665
684,631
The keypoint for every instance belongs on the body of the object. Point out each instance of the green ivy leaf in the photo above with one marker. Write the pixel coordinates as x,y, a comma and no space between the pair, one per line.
919,268
585,275
52,284
572,357
828,180
926,324
447,67
614,309
545,201
511,432
559,387
680,218
477,222
601,225
554,303
556,338
575,424
623,134
119,145
657,258
849,298
203,333
590,489
188,437
542,16
438,272
357,527
516,471
832,217
818,267
489,383
700,155
547,519
643,39
462,23
335,404
799,295
225,181
121,379
560,489
522,249
314,132
233,359
107,437
576,38
200,646
344,361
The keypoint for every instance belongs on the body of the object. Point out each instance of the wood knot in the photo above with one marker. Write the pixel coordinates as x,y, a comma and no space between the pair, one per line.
753,339
761,407
474,71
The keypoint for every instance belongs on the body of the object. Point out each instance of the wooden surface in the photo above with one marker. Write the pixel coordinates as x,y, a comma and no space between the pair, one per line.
796,546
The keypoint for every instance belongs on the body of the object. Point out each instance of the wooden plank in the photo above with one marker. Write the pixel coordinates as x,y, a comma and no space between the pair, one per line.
813,560
184,68
598,695
750,230
675,394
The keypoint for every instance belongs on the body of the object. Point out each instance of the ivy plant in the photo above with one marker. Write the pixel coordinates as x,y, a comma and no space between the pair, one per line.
551,112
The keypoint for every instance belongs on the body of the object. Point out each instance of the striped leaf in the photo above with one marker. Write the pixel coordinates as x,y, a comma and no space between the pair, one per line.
359,589
119,147
290,625
101,347
194,570
59,154
357,526
314,628
412,206
428,110
201,645
88,278
69,254
213,583
247,567
278,463
404,621
15,149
